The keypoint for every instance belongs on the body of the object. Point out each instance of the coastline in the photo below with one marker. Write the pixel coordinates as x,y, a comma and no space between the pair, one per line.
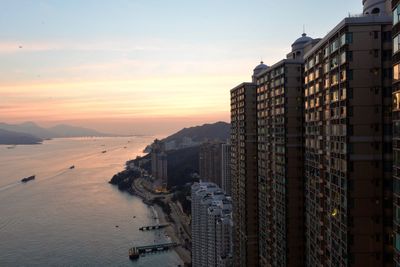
172,233
172,230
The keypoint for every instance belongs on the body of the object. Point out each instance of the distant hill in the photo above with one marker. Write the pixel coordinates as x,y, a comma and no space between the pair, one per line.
63,130
219,130
57,131
15,138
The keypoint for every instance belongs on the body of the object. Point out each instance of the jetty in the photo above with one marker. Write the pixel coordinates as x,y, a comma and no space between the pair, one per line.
153,227
136,251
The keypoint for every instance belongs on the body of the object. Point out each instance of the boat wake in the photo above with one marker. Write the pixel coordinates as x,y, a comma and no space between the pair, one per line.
5,187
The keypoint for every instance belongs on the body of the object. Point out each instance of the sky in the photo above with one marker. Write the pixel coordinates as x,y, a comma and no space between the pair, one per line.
143,66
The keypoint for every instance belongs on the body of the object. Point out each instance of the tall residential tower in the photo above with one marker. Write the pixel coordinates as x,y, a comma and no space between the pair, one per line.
280,159
244,172
348,143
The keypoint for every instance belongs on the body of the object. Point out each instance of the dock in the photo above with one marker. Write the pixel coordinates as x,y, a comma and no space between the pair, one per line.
153,248
135,252
153,227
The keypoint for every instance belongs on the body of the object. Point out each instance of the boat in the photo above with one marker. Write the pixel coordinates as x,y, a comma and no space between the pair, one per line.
72,167
27,179
133,253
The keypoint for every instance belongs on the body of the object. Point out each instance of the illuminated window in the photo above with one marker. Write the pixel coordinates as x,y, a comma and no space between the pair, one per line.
396,72
396,101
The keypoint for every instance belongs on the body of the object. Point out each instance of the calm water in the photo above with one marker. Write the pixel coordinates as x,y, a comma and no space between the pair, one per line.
68,217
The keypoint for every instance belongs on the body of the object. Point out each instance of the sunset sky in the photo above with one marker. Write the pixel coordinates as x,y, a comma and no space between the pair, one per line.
143,66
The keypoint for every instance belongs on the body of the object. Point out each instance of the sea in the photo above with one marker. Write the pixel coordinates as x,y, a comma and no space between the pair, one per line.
73,217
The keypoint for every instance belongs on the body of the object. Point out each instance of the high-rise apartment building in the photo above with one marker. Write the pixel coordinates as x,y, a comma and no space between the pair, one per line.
226,179
159,163
211,226
210,162
348,143
396,130
280,159
244,172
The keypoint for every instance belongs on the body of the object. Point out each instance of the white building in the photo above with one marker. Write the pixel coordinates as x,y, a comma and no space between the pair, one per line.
211,226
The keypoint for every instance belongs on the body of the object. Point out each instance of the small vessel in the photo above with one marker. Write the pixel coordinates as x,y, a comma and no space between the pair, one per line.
11,147
27,179
133,253
72,167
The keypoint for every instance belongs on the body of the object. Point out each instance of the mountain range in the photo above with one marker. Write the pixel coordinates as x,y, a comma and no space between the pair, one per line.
31,133
14,138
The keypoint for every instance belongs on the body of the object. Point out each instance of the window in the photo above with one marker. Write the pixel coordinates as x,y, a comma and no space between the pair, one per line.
334,46
396,72
349,56
396,161
397,242
396,45
387,36
342,75
326,51
334,63
346,38
396,128
396,101
396,15
343,58
349,38
326,67
350,75
397,213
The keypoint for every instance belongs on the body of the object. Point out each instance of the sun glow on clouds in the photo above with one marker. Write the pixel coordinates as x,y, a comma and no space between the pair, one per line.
172,97
56,81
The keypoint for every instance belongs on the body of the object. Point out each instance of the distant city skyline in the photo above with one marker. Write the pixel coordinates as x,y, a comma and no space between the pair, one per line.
142,66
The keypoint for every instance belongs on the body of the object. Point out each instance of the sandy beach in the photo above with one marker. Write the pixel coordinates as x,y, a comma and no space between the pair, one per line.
173,233
172,230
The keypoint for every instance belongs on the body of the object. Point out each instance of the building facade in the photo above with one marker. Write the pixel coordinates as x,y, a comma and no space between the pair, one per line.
280,120
396,130
159,163
210,162
348,182
226,169
211,226
244,173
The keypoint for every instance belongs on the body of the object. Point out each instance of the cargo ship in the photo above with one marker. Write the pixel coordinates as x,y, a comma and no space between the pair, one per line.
27,179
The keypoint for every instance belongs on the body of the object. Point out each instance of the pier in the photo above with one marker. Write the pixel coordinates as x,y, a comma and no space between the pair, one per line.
136,251
153,227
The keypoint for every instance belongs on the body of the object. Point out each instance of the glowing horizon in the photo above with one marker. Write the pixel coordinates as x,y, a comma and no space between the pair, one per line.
158,67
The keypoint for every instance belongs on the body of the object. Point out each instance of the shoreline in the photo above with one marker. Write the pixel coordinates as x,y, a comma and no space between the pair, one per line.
171,231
